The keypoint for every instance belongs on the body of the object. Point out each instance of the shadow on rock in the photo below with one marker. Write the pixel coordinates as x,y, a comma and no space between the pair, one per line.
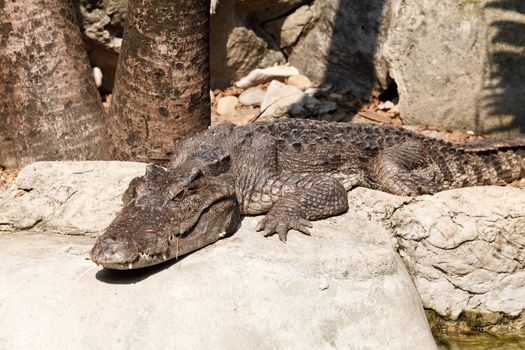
506,73
133,276
340,50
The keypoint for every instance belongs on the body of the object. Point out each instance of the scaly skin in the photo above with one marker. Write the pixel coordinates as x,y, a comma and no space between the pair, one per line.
294,171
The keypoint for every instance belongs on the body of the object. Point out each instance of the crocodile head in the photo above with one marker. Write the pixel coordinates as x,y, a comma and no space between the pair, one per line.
167,213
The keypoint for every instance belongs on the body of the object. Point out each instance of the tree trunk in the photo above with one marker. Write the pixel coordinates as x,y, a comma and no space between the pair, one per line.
161,92
49,105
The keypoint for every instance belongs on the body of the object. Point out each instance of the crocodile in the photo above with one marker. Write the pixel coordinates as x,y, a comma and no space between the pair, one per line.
294,171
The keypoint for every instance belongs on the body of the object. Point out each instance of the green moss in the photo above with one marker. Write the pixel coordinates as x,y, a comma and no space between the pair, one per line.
475,323
476,331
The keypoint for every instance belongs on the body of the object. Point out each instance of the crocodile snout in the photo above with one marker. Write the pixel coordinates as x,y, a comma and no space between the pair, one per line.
114,252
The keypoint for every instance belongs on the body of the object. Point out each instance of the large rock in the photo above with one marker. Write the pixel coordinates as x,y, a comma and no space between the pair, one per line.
435,53
287,30
237,54
342,288
339,45
504,68
463,248
473,55
71,197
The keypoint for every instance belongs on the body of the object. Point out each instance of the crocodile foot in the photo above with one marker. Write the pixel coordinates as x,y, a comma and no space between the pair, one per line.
281,224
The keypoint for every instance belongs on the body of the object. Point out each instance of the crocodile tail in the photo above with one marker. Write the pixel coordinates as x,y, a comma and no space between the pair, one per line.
489,162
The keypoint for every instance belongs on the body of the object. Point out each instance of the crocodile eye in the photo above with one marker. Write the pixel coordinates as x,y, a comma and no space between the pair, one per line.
176,194
179,196
199,182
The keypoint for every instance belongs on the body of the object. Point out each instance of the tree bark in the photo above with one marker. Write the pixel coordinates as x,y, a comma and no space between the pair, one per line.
49,105
161,92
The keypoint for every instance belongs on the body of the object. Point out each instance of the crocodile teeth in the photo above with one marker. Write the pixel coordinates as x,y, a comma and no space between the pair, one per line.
130,266
164,256
222,234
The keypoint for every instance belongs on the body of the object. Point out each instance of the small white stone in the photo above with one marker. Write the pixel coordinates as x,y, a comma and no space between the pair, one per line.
226,105
213,6
252,96
163,49
320,90
300,81
97,75
258,76
279,99
335,97
386,105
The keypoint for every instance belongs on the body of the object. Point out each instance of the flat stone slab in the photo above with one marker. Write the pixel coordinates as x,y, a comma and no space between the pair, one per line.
342,288
69,197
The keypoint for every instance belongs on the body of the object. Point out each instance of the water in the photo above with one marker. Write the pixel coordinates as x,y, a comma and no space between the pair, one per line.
478,341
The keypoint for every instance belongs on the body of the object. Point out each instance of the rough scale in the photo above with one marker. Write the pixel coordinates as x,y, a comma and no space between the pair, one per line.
294,171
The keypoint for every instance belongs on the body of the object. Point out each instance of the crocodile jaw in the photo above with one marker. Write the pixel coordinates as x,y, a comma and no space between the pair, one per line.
122,249
166,214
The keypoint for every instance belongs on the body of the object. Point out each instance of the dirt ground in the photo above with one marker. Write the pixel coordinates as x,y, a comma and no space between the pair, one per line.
7,177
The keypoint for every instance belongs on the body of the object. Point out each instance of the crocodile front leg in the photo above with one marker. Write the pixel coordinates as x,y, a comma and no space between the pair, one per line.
290,199
296,199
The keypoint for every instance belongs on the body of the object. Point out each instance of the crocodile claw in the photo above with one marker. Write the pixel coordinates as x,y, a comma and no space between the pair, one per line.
281,226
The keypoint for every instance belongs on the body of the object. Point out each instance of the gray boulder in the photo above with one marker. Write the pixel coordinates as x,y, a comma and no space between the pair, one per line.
343,288
102,25
287,30
436,52
463,247
339,45
235,55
